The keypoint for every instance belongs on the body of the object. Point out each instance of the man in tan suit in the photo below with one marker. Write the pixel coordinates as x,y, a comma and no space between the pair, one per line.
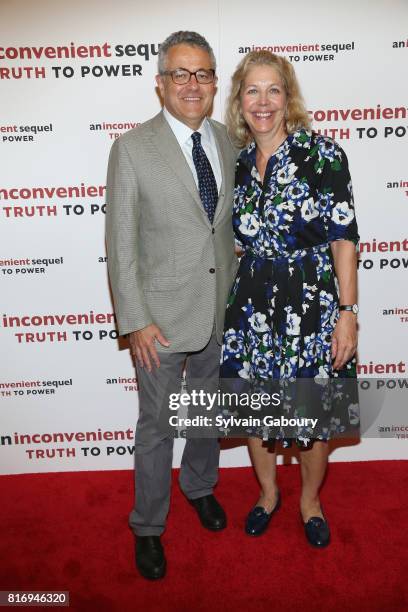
171,264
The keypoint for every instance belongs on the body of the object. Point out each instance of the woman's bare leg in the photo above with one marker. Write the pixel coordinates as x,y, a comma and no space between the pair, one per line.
264,462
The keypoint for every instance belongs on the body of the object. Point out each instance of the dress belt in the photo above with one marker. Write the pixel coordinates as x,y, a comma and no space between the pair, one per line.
288,256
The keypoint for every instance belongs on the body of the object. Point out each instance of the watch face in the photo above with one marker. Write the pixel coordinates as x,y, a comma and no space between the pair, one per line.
355,308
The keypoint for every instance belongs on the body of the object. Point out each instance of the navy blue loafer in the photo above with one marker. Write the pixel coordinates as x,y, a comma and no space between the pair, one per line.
317,531
258,519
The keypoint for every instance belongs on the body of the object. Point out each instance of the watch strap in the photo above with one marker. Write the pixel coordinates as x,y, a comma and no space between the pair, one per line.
349,308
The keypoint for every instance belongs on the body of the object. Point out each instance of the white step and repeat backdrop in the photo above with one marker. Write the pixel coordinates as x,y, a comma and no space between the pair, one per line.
73,77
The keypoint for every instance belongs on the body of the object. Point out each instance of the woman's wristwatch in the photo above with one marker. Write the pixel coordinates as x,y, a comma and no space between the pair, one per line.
350,307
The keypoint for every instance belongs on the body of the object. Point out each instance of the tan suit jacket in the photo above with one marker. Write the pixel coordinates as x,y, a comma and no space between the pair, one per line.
167,264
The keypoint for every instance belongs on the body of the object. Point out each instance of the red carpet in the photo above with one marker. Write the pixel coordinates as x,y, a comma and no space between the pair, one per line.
69,531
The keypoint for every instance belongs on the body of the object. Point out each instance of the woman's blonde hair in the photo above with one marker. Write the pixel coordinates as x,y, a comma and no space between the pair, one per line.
296,114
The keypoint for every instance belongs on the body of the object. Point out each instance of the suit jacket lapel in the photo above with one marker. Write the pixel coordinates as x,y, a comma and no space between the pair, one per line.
222,156
168,147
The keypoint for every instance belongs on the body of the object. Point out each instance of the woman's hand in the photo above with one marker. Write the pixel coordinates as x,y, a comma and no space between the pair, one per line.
344,340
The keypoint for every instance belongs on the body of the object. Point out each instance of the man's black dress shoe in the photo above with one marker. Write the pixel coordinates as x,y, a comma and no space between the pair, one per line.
317,531
210,513
150,559
258,519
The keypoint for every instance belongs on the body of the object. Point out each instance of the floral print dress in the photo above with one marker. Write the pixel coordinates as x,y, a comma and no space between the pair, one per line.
283,305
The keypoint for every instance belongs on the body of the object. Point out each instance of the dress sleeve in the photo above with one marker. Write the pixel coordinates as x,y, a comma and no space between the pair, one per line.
337,192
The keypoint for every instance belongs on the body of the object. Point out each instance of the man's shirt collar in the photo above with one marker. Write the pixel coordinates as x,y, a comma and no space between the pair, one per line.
182,132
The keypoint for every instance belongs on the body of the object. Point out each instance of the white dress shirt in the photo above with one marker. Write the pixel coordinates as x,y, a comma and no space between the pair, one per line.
183,134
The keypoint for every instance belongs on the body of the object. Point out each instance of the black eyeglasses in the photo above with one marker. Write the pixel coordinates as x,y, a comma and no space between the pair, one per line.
182,76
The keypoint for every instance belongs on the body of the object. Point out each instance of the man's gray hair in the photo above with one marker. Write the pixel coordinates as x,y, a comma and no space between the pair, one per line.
183,38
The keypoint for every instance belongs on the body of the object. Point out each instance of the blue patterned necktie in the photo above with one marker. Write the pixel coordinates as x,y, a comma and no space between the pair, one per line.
207,185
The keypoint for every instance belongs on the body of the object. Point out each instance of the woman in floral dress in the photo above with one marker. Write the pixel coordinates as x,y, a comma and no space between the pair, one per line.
294,222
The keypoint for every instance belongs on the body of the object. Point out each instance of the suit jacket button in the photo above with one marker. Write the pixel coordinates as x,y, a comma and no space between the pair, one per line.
211,270
213,231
